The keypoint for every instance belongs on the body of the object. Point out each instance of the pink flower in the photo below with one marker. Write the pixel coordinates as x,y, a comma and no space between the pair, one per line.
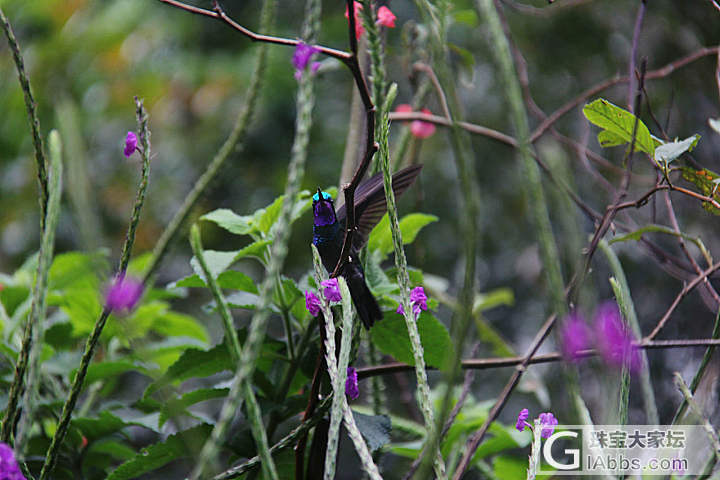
403,108
123,294
575,336
522,419
312,303
332,290
359,29
547,423
9,469
422,129
351,384
614,338
386,18
418,301
130,144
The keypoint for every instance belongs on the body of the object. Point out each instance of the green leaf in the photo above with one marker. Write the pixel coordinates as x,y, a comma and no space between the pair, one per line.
105,370
509,467
607,139
105,424
177,406
390,336
707,181
620,124
195,363
668,152
466,16
230,279
231,221
217,262
381,237
375,429
176,446
492,299
255,249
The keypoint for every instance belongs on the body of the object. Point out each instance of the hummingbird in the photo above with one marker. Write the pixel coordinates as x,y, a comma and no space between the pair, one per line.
329,234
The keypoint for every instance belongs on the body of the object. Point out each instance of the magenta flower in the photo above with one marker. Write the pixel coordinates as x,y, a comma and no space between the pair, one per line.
131,142
386,17
614,338
547,423
332,290
123,294
301,58
312,303
575,336
9,469
418,301
351,384
522,419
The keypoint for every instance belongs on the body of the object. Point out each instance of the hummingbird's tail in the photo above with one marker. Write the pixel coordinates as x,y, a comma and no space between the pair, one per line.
365,303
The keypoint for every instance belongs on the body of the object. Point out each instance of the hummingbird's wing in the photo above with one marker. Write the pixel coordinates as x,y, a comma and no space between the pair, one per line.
370,203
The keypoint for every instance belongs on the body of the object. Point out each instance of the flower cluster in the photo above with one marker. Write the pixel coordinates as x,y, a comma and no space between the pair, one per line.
614,339
123,294
9,469
331,291
418,301
418,128
385,18
547,422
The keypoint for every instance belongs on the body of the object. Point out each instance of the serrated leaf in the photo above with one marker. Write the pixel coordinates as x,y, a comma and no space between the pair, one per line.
375,429
410,225
706,181
668,152
255,249
105,370
231,221
229,279
390,336
195,363
217,262
179,445
105,424
620,123
177,406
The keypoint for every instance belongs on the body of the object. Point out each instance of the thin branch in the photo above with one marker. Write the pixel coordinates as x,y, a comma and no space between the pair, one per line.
633,54
428,70
470,127
594,90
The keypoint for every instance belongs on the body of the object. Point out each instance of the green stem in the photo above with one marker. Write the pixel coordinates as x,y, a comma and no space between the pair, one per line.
232,144
279,249
94,338
254,413
36,318
627,306
533,184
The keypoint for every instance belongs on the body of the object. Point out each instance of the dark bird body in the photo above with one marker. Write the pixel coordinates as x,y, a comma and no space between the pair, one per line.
329,234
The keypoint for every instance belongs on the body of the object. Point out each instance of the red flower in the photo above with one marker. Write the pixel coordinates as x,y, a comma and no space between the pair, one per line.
386,18
422,129
359,29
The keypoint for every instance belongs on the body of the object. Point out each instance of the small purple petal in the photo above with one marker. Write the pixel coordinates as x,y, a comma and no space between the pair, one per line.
417,296
400,309
547,423
351,384
123,294
615,340
332,290
312,303
575,336
314,67
9,469
522,417
130,144
302,55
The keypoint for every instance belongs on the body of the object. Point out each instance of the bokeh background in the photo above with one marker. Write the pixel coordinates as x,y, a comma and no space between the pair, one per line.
87,59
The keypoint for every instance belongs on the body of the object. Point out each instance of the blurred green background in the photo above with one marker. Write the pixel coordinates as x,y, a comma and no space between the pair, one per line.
87,59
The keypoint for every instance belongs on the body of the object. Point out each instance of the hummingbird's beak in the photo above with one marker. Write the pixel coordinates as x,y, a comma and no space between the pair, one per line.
319,194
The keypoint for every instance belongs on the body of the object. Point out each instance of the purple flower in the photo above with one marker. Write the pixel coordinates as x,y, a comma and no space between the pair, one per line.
123,294
547,423
351,384
522,417
332,290
301,58
614,338
312,303
418,300
130,144
9,469
575,336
